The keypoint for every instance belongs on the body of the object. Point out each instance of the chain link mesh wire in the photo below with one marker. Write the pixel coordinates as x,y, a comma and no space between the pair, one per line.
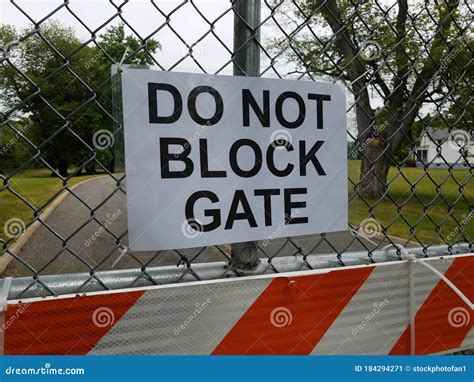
406,70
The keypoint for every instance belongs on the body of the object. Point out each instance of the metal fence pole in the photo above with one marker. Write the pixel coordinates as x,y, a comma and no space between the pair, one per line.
118,152
246,62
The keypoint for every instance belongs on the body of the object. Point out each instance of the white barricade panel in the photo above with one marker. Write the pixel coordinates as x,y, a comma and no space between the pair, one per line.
349,310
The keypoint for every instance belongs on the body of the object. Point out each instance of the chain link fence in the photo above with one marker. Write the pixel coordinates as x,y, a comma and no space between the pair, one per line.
406,67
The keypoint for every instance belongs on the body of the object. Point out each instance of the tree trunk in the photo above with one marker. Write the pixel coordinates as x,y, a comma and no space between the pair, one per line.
373,171
62,168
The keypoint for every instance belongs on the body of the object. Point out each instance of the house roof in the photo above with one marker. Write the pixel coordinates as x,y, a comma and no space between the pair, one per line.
437,133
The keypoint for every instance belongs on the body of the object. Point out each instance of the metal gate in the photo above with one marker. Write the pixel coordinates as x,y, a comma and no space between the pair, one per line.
406,67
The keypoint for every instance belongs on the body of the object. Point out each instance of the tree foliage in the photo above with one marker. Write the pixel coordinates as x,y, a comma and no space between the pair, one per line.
61,89
420,62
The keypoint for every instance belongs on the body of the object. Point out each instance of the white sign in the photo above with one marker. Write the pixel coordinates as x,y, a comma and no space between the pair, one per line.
219,159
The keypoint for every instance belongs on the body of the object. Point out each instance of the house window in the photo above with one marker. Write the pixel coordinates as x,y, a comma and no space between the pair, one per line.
422,155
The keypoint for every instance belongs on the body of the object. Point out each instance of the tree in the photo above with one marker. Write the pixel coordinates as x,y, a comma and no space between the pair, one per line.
413,64
63,87
114,41
13,151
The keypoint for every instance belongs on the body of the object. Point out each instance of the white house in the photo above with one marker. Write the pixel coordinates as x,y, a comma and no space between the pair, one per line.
441,148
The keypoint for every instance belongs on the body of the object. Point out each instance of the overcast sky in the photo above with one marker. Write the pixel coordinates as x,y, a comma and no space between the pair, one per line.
145,18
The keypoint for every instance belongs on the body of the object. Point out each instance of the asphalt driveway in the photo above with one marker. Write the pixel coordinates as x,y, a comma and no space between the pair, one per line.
72,242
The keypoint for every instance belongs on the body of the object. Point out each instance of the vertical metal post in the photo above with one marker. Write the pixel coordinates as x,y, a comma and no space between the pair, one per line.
246,62
246,37
118,150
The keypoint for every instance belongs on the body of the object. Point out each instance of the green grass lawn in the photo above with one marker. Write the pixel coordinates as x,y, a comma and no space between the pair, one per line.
425,209
37,187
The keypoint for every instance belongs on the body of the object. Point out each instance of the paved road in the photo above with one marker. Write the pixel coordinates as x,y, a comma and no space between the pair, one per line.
49,254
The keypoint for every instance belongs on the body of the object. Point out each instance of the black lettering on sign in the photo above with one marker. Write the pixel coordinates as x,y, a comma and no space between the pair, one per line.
319,98
311,156
267,205
177,162
153,103
215,213
240,208
263,115
205,172
289,205
271,160
181,156
219,105
279,110
233,158
247,214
